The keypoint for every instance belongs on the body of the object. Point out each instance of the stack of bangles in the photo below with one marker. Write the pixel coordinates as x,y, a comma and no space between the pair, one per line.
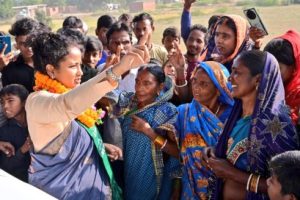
252,183
161,142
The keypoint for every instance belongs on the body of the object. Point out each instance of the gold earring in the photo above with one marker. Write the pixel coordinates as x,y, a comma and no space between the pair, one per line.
256,87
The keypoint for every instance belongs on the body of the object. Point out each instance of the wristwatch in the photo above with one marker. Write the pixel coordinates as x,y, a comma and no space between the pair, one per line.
112,75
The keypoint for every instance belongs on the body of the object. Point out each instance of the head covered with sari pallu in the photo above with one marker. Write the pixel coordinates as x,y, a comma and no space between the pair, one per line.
242,39
271,129
292,89
198,127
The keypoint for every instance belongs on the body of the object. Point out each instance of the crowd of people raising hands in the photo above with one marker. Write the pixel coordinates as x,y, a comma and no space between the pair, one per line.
116,116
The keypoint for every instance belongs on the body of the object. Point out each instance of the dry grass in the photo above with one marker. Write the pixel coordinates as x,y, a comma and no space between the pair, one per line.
277,19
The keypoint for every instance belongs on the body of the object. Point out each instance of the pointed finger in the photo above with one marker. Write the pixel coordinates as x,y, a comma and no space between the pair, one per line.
118,52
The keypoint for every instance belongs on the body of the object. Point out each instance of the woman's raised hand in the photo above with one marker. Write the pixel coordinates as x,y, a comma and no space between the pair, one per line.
137,56
256,36
176,57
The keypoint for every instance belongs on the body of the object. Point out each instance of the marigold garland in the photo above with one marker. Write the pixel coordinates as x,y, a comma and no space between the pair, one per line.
89,117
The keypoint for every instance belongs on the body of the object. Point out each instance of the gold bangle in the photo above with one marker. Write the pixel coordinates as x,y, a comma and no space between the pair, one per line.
159,140
257,183
253,183
164,145
248,182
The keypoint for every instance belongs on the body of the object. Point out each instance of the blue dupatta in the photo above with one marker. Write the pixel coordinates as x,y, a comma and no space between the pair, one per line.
271,130
197,127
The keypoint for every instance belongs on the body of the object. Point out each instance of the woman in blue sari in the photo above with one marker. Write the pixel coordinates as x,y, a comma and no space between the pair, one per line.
147,119
200,123
258,128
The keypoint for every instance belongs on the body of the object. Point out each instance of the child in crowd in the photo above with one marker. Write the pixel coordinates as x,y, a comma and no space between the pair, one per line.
16,159
92,54
103,25
284,182
171,35
73,22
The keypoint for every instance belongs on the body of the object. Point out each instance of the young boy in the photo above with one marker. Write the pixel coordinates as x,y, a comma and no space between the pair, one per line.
171,35
103,25
92,54
14,132
284,183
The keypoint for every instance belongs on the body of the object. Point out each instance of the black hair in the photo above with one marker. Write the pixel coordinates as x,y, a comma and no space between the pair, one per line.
125,17
154,61
16,90
286,167
49,48
156,70
202,29
224,20
92,43
73,37
118,27
171,31
282,50
213,20
105,21
72,22
24,26
142,17
198,27
254,60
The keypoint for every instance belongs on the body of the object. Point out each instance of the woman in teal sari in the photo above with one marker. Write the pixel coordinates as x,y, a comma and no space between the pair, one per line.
149,145
200,123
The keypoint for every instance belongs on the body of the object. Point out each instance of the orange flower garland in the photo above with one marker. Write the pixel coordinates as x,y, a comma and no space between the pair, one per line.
89,117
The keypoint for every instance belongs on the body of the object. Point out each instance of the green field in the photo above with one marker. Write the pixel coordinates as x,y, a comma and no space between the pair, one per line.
277,19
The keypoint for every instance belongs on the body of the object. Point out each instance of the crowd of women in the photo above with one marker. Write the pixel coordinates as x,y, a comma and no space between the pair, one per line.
236,108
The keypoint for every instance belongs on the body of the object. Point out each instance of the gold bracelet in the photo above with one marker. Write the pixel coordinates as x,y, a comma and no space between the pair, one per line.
159,140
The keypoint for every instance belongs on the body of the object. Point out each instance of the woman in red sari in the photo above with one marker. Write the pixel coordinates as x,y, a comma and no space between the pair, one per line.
286,50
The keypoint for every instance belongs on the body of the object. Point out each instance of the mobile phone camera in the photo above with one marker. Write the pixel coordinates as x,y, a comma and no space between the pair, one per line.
251,14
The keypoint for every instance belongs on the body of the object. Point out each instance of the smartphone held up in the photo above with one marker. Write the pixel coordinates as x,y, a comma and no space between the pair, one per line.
255,20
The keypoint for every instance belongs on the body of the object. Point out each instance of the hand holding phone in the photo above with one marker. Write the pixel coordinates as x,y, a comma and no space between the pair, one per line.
254,20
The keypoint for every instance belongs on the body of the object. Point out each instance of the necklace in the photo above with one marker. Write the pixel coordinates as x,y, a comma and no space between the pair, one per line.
89,117
218,109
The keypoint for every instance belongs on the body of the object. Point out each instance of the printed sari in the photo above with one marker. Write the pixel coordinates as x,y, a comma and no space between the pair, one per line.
270,130
148,172
292,90
197,127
